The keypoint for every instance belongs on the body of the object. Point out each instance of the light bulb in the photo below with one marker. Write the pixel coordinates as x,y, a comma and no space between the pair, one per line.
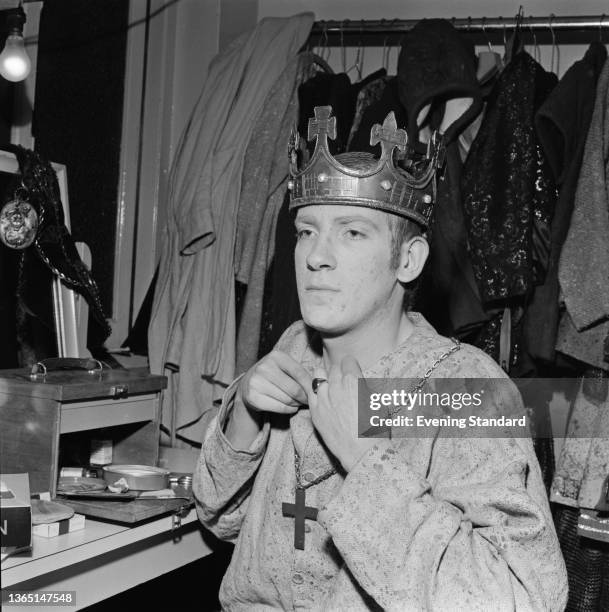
15,64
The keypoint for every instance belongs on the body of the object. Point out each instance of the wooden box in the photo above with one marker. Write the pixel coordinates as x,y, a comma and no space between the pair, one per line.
49,423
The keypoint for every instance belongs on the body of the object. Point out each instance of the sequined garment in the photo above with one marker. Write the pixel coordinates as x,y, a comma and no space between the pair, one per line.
508,191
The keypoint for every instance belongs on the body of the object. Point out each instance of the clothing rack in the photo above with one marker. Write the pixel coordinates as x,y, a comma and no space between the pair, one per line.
334,32
477,24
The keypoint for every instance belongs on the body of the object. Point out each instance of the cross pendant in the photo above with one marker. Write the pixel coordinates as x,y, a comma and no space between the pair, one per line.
300,511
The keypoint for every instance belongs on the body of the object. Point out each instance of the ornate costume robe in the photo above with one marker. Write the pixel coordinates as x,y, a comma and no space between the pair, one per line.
417,524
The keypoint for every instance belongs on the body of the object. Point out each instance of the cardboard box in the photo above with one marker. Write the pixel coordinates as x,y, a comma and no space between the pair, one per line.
15,512
52,530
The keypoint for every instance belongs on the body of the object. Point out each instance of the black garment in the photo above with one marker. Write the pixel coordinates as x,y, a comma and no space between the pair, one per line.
280,306
27,328
562,126
368,94
376,113
328,89
508,201
449,297
280,303
53,253
437,63
508,191
137,340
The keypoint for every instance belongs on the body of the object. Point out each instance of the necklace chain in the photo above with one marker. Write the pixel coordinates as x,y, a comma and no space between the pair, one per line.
417,387
434,365
317,480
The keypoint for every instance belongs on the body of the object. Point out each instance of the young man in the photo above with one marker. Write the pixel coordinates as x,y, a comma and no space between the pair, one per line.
324,519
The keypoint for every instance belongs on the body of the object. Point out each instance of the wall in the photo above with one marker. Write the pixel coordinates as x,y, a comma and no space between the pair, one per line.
170,46
172,43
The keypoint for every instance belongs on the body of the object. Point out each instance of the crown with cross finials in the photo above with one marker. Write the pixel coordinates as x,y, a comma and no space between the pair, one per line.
380,185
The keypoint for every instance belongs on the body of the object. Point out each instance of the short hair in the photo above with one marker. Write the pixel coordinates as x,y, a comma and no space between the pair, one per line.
402,228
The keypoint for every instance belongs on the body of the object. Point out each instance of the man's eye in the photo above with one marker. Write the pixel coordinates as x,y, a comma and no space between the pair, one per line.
303,233
355,234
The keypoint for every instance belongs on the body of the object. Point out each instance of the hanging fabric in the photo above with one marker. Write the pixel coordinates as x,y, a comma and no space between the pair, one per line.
280,300
437,79
584,328
562,124
192,329
264,186
376,112
509,199
369,93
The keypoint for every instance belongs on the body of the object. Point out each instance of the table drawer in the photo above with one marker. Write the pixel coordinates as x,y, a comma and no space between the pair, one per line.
94,414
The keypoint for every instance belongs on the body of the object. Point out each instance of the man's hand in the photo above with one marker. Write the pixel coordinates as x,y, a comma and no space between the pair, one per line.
277,383
334,412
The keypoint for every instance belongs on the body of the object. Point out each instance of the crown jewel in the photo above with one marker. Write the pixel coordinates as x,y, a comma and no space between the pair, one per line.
382,185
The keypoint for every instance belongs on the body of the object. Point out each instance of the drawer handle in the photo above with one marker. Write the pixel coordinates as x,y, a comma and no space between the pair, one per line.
119,391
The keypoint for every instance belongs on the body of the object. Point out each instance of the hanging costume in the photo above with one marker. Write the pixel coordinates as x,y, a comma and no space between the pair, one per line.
508,219
192,329
582,472
265,176
562,124
437,64
584,328
34,224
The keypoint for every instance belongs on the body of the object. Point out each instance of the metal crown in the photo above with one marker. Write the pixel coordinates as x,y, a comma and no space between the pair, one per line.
383,186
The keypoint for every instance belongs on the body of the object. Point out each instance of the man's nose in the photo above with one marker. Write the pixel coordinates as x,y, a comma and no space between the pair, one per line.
321,254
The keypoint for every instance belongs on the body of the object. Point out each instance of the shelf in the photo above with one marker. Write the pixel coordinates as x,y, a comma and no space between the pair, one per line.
97,538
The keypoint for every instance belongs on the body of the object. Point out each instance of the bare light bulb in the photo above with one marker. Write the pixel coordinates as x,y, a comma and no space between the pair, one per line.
15,64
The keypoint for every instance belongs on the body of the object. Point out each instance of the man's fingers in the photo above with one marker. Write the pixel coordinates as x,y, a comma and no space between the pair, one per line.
267,403
293,369
267,388
282,382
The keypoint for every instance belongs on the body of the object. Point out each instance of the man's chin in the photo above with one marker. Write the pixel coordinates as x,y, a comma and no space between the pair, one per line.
324,325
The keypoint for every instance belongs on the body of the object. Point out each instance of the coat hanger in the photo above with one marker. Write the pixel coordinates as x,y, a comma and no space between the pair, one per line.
514,44
536,50
386,52
555,48
489,62
324,46
320,62
343,50
317,57
359,55
387,48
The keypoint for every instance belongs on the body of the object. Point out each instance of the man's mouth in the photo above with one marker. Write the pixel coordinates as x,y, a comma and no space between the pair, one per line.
320,288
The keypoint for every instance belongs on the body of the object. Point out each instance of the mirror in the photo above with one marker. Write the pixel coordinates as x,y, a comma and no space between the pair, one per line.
69,309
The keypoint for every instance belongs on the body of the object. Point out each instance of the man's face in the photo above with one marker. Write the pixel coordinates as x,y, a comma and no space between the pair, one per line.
343,270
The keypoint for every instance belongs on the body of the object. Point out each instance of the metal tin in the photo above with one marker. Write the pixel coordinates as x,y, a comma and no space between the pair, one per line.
137,477
185,482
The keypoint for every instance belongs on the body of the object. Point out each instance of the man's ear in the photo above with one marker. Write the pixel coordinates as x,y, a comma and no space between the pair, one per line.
413,255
